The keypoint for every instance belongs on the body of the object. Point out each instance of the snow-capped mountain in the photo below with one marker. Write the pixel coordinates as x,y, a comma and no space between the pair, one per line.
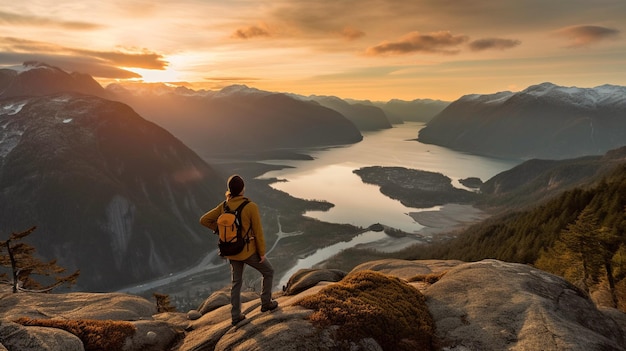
542,121
112,194
36,78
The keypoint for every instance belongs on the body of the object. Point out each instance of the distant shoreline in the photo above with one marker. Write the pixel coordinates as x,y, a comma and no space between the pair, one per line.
448,218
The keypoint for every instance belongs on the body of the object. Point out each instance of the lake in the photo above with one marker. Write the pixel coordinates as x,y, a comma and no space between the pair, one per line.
329,177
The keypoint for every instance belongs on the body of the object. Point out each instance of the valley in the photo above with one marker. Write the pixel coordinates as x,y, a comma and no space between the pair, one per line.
151,175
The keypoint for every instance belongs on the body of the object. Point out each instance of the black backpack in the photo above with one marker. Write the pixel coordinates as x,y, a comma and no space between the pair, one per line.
229,230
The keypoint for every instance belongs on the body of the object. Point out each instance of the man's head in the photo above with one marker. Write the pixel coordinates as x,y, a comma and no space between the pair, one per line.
235,185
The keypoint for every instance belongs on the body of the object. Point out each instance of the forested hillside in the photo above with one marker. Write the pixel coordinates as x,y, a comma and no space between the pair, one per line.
580,235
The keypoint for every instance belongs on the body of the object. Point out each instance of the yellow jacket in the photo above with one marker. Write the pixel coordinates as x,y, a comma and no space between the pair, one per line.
250,218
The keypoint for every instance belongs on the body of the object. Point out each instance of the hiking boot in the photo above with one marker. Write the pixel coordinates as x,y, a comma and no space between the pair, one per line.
238,319
269,307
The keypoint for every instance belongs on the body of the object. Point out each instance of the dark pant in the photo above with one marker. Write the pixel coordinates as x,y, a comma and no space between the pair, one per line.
236,274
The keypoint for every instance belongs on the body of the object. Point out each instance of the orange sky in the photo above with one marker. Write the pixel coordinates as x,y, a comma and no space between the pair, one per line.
365,49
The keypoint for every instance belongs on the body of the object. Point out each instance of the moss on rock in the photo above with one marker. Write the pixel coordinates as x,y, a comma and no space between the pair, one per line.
369,304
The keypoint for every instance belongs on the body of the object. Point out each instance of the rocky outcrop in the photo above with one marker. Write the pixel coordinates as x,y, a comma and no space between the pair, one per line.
304,279
86,310
493,305
486,305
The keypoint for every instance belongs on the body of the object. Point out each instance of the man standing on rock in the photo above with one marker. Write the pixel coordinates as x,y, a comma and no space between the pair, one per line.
253,254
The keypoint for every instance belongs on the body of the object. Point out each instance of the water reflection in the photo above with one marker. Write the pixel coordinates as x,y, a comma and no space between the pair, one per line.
329,176
327,252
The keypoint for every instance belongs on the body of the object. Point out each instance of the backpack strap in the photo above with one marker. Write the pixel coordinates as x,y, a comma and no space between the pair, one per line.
238,213
240,207
240,225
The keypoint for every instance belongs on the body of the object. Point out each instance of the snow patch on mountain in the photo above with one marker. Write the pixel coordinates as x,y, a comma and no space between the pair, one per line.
239,89
582,97
589,98
12,108
29,66
10,132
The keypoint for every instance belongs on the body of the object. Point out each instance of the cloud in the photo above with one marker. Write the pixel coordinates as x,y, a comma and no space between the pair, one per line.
134,58
442,42
231,79
15,19
351,33
90,66
585,35
251,32
493,43
145,59
97,63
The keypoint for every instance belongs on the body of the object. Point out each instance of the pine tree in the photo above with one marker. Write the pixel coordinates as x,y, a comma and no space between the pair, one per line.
24,265
580,239
609,245
163,303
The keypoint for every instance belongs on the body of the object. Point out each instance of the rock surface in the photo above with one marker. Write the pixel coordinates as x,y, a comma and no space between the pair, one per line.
486,305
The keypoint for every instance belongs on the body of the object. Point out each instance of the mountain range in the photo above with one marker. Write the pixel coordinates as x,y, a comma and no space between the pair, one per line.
543,121
118,196
418,110
365,117
237,121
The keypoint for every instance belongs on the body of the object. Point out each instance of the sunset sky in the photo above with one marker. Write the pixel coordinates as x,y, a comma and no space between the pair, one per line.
361,49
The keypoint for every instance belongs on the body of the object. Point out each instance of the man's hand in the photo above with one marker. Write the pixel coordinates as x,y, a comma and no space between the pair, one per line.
262,259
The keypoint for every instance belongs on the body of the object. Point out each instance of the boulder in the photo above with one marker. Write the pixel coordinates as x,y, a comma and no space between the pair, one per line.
222,297
494,305
304,279
486,305
17,337
407,269
149,335
113,306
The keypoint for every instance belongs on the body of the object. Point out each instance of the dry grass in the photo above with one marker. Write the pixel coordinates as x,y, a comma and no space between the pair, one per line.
371,304
96,335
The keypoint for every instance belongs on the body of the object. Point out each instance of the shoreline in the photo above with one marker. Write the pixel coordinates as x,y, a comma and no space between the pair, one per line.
448,218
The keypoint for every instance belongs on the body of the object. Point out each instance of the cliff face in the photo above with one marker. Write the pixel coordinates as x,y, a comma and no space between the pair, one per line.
486,305
112,194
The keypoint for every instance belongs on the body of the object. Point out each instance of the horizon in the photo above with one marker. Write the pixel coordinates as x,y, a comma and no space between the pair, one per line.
368,50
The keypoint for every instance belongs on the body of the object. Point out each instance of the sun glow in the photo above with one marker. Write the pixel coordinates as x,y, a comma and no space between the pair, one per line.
156,76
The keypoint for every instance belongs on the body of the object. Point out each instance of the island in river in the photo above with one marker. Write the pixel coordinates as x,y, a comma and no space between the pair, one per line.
415,188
